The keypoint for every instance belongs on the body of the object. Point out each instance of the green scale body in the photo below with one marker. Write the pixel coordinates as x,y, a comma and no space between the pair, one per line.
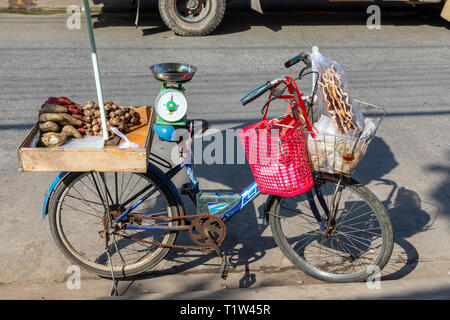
170,105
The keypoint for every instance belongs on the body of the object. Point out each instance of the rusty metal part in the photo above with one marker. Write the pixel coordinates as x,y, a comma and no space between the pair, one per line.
197,217
114,211
209,230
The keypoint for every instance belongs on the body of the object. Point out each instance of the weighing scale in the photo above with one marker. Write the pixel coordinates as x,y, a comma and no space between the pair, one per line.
171,104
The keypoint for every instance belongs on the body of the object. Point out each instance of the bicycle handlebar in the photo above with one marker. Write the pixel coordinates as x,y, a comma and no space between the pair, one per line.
303,56
260,91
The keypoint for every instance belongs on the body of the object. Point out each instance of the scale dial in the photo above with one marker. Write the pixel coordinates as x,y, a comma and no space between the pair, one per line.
171,105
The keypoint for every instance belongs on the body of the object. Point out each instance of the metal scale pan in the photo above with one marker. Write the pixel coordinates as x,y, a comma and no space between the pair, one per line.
173,72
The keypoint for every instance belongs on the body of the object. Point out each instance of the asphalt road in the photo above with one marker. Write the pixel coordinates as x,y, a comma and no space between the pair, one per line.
403,67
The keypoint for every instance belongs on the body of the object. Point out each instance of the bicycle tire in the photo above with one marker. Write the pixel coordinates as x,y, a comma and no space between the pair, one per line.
298,258
102,269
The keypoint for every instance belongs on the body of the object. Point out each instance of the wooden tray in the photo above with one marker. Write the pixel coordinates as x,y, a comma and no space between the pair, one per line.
106,159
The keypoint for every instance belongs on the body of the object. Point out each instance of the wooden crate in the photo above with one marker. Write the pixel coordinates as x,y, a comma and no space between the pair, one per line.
106,159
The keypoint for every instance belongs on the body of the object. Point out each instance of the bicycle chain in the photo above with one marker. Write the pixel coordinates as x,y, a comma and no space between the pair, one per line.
205,215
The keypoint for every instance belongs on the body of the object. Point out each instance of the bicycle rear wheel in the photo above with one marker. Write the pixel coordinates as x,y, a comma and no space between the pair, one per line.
355,247
78,221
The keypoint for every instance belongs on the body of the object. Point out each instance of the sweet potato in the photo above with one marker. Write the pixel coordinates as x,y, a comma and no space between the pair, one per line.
48,126
70,131
55,117
62,118
53,108
78,116
53,139
73,121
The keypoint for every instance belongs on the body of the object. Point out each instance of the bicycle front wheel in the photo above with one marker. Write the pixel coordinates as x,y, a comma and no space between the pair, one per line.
79,222
356,245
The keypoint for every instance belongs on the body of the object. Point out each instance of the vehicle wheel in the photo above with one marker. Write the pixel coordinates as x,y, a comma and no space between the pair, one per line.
359,246
78,222
192,17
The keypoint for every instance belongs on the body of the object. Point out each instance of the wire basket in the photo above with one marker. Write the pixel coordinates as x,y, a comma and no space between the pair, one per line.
341,154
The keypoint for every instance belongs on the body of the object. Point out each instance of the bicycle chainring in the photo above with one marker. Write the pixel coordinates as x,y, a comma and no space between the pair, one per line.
207,229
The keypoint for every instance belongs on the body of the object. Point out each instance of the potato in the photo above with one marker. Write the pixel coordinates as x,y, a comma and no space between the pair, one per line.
115,121
120,112
48,126
123,128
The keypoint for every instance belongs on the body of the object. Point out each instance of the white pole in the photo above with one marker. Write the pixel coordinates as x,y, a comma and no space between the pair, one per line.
98,84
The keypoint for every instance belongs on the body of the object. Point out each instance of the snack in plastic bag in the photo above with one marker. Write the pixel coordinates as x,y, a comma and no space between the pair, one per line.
333,98
332,153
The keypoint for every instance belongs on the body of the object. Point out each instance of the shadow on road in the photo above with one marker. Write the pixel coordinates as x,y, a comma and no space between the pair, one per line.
245,242
405,208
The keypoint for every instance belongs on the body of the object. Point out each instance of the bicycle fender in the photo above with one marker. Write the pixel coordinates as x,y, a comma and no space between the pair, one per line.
268,206
49,192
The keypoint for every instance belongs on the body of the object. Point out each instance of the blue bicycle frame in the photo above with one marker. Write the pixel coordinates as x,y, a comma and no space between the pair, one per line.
250,193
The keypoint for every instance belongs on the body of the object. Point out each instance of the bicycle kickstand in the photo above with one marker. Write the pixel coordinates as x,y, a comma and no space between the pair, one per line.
224,266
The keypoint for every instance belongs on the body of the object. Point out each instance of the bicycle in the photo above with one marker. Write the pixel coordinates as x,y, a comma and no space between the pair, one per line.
121,224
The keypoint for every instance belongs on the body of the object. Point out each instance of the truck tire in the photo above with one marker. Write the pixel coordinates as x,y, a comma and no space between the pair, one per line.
192,17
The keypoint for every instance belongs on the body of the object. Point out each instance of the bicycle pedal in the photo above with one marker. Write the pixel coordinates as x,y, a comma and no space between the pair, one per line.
224,268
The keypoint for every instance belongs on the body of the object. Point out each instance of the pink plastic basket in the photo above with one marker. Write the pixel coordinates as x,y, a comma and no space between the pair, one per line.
278,157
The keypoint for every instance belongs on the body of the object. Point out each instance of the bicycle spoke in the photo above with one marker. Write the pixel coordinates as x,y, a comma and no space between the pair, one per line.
81,221
85,212
344,249
302,215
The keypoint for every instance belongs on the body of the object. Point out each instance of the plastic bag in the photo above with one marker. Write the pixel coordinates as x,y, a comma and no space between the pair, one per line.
333,98
127,144
332,153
